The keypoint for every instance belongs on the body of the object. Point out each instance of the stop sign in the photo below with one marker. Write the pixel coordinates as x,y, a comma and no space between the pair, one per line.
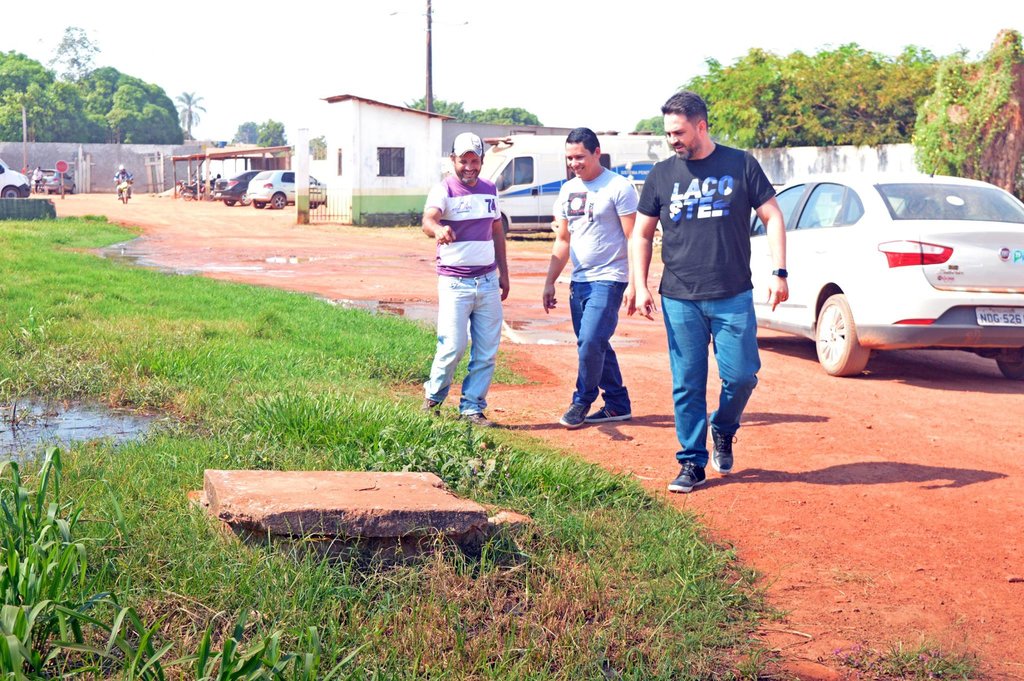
61,166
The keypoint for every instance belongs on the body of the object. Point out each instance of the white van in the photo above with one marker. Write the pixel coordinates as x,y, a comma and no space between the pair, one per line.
528,171
13,185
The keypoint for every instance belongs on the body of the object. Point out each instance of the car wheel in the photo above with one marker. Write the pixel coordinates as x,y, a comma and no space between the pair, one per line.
839,350
10,193
1011,369
229,203
258,204
246,201
278,201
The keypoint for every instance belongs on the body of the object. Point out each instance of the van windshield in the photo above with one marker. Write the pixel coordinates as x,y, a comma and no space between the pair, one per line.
518,171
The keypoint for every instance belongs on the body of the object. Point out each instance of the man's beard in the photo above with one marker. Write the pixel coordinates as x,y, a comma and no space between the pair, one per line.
683,152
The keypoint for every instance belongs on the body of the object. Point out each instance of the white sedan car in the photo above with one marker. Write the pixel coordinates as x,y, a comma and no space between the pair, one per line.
276,188
879,262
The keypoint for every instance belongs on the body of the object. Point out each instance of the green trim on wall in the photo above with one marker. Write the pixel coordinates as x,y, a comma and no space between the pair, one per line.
387,210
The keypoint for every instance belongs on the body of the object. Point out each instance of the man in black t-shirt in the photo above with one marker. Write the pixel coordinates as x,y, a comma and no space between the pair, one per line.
703,197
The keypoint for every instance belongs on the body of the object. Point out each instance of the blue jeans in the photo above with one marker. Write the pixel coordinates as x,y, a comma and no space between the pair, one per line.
690,324
595,314
468,308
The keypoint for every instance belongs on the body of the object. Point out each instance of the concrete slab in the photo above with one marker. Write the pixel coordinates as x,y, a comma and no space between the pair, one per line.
341,504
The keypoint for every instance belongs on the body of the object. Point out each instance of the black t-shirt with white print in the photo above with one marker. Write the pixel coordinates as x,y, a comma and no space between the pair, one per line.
704,207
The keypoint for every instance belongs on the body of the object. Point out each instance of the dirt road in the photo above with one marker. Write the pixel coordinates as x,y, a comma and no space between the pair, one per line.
880,509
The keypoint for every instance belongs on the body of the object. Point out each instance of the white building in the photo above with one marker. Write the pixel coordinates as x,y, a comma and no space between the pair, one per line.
381,161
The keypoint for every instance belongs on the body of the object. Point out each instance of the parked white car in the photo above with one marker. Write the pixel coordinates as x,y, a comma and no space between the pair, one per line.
276,188
880,262
13,185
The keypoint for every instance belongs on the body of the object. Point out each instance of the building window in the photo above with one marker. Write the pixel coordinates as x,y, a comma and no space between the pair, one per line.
391,161
339,162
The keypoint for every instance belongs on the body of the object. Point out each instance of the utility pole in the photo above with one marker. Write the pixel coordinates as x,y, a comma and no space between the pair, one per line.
24,137
429,99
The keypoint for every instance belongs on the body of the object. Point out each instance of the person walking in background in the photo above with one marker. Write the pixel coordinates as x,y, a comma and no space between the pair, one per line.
703,197
462,215
594,216
37,180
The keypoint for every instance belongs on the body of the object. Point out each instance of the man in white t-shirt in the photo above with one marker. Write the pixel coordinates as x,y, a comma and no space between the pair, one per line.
594,217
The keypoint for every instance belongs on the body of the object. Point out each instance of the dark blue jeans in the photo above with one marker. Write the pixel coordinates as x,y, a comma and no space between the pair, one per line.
595,314
690,324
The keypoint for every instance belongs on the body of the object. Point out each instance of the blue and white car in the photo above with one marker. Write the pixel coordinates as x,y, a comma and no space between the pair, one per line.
880,262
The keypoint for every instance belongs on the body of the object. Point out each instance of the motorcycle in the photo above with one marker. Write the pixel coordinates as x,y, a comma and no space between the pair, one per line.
188,191
124,190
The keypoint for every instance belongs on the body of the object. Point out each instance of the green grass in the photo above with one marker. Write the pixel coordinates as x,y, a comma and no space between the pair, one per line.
608,582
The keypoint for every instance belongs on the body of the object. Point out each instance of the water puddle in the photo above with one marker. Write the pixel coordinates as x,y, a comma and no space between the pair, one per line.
28,427
133,253
292,259
129,253
416,311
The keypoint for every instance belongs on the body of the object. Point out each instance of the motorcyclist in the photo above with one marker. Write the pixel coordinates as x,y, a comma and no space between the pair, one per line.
122,175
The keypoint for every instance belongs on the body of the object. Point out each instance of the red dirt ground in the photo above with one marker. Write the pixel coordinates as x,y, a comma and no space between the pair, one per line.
880,509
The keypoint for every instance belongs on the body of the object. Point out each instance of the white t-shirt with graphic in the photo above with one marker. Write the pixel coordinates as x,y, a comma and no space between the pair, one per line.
597,244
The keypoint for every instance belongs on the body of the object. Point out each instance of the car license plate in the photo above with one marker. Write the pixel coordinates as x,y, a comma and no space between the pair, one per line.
1000,316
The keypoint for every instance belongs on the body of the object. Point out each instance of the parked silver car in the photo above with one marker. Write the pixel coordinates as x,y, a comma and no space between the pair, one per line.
276,188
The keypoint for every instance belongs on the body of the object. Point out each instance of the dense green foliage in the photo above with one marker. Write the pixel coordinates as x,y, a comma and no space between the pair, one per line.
607,583
247,133
842,96
103,105
504,116
270,133
655,124
970,126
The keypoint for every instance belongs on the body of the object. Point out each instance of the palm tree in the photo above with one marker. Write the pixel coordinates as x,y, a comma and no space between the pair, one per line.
188,106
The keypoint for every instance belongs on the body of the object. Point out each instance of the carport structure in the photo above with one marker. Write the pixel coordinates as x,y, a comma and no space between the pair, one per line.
255,158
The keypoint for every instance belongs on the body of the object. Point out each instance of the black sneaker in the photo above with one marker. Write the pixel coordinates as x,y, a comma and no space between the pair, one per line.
606,415
690,475
478,419
431,406
721,455
575,417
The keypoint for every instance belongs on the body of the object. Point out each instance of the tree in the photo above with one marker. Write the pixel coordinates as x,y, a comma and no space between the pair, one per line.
972,124
505,116
103,106
271,134
248,133
318,148
655,124
843,96
188,106
440,106
23,83
75,53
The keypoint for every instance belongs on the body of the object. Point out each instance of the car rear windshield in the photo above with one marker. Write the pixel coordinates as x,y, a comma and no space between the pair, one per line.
934,201
264,175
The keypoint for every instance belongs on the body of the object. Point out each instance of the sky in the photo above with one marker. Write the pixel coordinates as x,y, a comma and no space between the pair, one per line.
604,65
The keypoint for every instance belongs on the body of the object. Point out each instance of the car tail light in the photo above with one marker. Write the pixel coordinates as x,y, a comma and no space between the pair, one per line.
231,183
903,253
269,185
916,322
